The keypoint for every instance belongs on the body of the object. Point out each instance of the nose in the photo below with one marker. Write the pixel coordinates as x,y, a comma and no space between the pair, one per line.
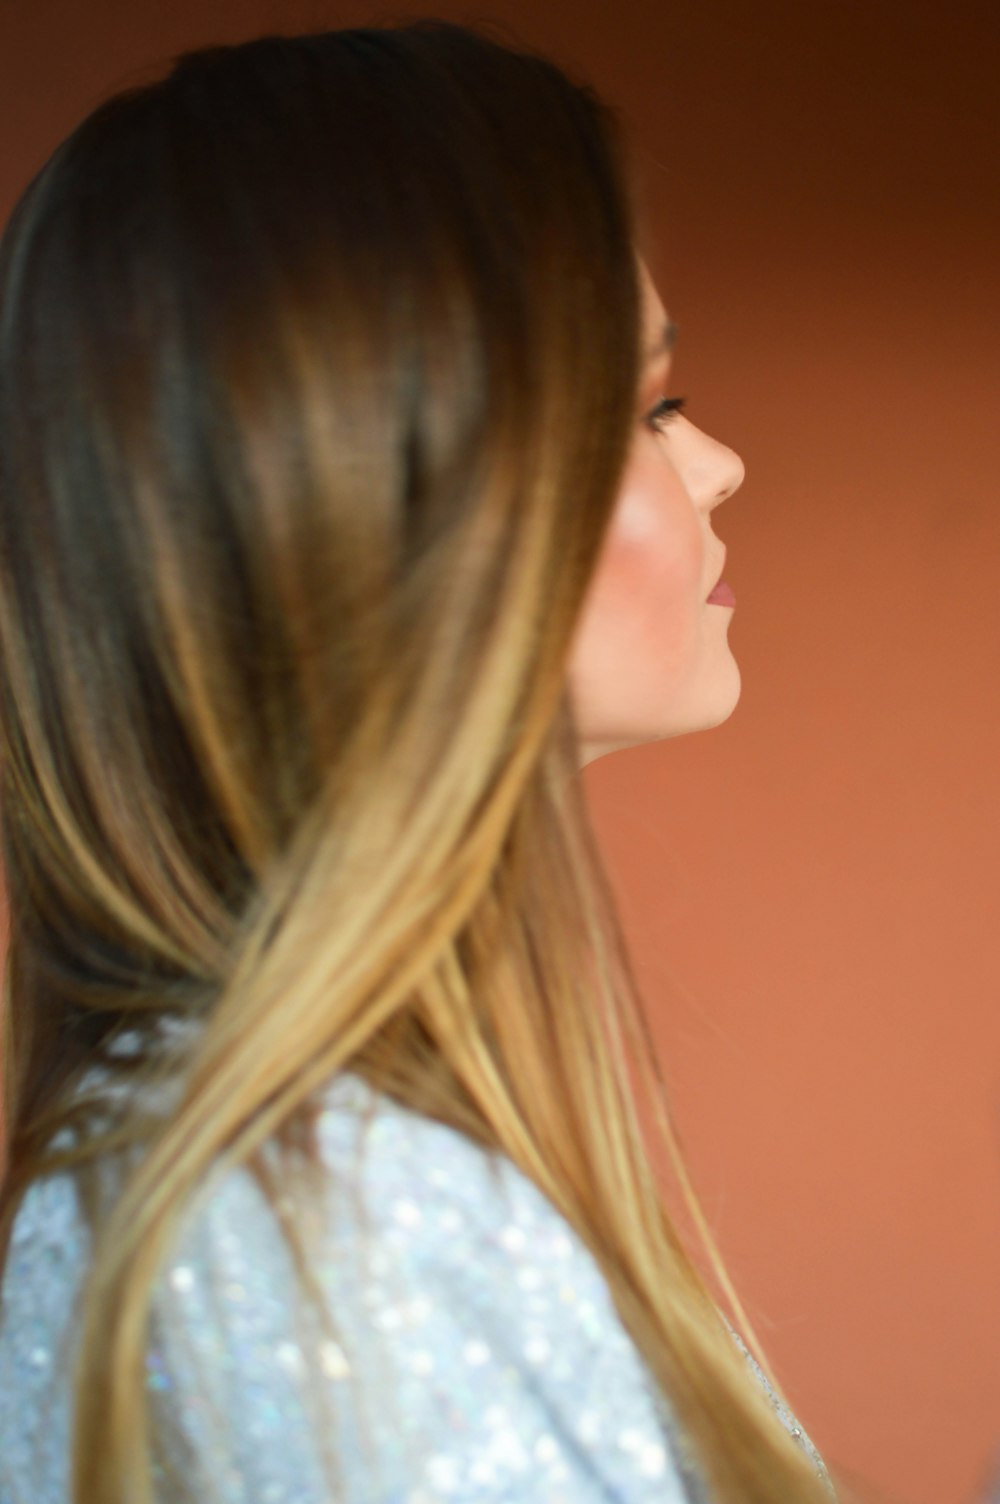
711,470
730,473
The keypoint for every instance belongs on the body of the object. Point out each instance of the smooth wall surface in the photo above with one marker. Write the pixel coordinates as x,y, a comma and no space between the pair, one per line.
812,890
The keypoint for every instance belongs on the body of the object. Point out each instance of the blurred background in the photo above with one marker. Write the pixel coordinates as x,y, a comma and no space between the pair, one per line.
812,891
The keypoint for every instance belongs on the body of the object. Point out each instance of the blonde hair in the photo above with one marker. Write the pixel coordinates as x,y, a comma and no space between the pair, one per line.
318,362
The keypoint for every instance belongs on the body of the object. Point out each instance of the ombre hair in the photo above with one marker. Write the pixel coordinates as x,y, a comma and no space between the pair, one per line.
318,362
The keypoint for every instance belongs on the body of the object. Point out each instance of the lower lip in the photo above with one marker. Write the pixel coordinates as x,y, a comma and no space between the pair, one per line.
722,595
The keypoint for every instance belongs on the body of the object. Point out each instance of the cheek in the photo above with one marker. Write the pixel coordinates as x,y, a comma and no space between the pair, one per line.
649,578
643,613
654,551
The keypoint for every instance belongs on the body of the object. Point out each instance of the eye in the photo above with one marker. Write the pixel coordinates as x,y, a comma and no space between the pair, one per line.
663,412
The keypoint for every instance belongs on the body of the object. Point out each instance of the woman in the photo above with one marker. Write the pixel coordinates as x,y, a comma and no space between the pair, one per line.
343,517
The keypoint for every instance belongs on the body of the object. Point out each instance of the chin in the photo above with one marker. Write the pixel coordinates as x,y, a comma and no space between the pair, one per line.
724,709
712,708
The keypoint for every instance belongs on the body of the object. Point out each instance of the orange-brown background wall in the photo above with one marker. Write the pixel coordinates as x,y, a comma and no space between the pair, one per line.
812,890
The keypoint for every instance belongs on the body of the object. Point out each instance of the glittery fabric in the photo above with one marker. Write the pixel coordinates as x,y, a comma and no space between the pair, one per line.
480,1356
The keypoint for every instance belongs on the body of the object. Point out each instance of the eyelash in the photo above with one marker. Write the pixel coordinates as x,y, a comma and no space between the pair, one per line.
665,409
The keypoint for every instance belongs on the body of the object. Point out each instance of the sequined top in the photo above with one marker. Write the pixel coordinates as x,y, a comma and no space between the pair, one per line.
480,1350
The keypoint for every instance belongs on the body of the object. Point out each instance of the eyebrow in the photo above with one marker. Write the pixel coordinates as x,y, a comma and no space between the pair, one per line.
664,344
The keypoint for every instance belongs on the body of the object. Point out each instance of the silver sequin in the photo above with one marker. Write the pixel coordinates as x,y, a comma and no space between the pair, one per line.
480,1345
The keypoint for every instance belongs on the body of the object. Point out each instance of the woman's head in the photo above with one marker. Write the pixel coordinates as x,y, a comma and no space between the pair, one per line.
319,362
318,371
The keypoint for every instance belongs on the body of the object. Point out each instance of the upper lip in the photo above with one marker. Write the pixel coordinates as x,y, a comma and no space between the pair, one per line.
719,575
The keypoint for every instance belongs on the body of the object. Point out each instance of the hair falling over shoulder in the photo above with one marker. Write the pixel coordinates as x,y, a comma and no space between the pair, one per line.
317,371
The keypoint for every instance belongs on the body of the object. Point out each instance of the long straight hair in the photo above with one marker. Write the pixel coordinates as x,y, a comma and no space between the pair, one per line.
318,362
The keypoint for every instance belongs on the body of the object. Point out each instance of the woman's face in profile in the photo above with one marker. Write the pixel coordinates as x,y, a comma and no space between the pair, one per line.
651,658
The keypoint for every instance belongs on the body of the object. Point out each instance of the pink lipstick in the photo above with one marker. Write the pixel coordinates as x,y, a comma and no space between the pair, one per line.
722,595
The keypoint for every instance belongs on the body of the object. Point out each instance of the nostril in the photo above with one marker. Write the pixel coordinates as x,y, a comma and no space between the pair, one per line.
735,477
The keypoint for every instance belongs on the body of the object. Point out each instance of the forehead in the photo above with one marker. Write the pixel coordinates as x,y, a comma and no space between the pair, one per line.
658,332
654,315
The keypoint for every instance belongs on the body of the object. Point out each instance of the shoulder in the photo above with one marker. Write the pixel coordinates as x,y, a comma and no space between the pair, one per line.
468,1229
478,1344
432,1193
416,1198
